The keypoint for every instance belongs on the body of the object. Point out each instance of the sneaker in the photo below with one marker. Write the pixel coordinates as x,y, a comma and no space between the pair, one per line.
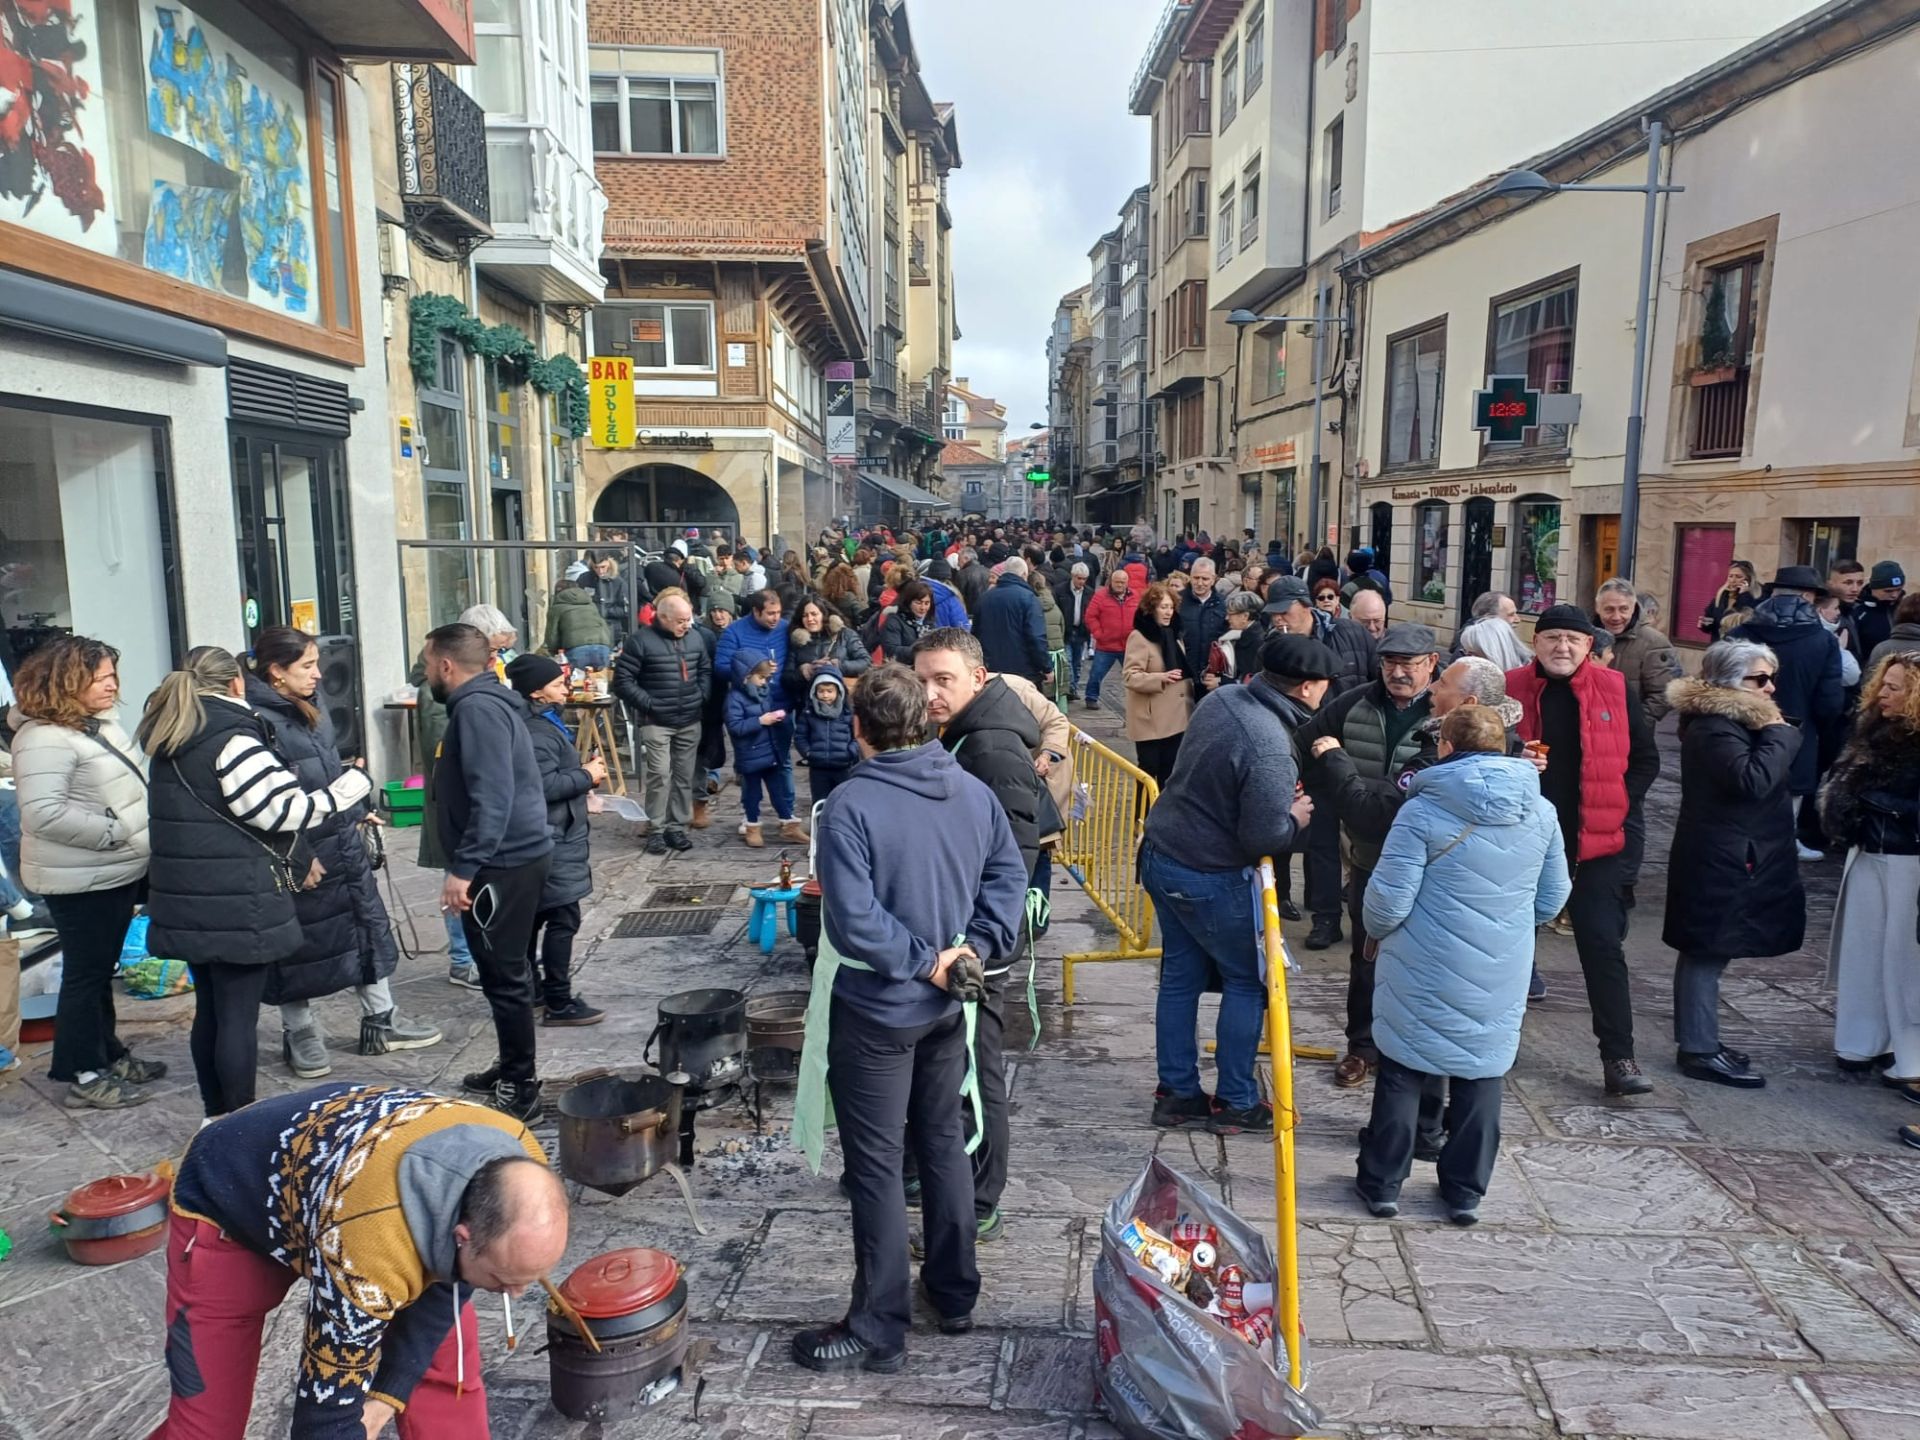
37,921
1806,853
1464,1215
911,1188
1170,1112
1625,1077
1379,1209
1536,987
465,976
8,1060
305,1052
677,840
1289,910
389,1030
1909,1135
1720,1068
481,1082
521,1100
838,1348
657,845
1561,925
106,1091
1256,1119
135,1071
1428,1150
575,1012
1324,935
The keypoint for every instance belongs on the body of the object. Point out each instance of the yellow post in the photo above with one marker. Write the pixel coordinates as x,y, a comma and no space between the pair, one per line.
1280,1046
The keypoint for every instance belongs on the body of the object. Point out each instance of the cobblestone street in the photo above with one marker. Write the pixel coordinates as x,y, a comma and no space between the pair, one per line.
1698,1264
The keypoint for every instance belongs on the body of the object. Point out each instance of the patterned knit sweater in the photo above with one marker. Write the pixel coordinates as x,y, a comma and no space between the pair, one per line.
357,1190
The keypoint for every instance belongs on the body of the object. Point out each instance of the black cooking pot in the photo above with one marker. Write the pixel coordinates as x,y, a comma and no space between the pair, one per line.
702,1035
616,1131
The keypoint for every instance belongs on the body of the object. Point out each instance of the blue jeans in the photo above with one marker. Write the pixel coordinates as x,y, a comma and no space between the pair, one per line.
11,891
590,657
1076,652
779,785
458,951
1103,661
1206,930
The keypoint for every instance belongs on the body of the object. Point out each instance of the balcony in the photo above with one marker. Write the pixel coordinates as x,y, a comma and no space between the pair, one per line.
877,398
441,137
391,29
1127,447
917,256
1720,418
547,209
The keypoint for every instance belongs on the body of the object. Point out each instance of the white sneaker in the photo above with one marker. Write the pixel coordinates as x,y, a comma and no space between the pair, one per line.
1806,854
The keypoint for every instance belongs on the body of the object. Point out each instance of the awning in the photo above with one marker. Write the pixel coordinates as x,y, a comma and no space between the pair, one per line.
905,493
1113,492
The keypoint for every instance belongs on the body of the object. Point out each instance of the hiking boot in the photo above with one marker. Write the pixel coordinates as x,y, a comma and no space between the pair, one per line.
135,1071
1256,1119
520,1100
481,1082
838,1348
1324,935
1625,1077
465,976
305,1052
792,832
575,1012
750,833
105,1091
702,815
1170,1112
389,1030
677,840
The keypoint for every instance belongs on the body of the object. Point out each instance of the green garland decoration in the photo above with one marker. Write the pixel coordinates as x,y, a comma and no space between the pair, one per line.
431,316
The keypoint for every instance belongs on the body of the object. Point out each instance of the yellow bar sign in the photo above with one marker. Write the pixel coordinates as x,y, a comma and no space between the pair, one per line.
610,402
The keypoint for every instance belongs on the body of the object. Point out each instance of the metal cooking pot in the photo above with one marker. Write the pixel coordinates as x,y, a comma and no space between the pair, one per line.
615,1131
777,1020
702,1035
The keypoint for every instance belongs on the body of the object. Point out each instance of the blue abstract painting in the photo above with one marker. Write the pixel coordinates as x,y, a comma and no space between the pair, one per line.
187,231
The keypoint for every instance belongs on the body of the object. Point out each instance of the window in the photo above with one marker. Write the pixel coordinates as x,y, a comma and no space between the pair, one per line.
1229,81
504,448
1250,204
1720,383
1380,535
1536,554
1336,25
564,516
658,102
954,425
1821,542
1430,565
1701,555
1532,335
1416,370
1189,517
1197,208
443,473
499,58
1335,162
1223,237
1270,364
1190,425
658,336
1184,322
1255,48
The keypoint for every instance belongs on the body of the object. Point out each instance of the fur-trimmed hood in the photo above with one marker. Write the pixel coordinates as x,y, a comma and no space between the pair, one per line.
1692,696
1509,711
835,624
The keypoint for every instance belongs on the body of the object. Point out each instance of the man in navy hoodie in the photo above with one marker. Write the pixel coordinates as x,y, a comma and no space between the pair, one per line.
912,852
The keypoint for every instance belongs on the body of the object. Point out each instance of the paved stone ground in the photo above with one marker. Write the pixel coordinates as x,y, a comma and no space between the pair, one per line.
1697,1264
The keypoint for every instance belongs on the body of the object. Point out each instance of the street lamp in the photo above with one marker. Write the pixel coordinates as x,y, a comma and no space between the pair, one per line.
1526,183
1319,320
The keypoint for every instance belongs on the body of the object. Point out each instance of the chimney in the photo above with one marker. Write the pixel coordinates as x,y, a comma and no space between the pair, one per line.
959,382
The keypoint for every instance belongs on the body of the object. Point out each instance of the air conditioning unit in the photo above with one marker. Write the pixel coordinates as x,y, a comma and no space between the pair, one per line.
339,694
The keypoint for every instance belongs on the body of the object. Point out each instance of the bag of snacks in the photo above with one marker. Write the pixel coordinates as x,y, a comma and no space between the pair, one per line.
1186,1340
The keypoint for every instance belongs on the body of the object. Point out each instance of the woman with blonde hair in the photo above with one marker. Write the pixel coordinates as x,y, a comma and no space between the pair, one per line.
1871,803
230,830
83,826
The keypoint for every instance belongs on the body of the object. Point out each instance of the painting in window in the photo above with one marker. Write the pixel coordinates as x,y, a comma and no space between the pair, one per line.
1430,533
1536,565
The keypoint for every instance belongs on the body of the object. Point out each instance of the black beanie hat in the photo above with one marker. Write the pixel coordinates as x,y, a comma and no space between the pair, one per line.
528,673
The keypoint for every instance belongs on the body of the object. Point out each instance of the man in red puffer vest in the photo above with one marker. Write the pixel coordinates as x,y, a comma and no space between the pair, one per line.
1600,749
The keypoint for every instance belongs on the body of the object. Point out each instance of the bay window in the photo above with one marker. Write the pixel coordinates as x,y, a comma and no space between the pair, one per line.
658,101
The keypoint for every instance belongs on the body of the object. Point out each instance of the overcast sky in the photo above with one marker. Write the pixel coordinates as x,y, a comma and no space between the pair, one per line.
1049,153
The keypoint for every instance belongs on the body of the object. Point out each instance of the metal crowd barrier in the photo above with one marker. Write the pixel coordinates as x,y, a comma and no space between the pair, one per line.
1280,1042
1102,847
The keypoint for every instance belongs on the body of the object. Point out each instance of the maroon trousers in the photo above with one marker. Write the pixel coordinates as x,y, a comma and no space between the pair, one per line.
219,1294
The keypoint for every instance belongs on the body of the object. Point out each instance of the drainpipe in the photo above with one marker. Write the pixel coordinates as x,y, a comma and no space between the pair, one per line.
766,501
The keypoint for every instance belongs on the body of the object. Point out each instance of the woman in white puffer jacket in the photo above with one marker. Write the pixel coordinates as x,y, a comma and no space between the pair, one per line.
82,788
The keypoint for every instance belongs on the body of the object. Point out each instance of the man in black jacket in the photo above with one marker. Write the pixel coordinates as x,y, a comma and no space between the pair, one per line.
971,578
1201,620
663,675
1012,629
671,571
986,728
611,595
493,825
1073,597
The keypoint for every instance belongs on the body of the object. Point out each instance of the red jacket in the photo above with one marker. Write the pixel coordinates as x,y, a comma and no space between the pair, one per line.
1606,744
1110,621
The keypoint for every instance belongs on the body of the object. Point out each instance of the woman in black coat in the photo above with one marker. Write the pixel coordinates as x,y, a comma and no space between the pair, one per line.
566,782
820,636
1733,877
346,937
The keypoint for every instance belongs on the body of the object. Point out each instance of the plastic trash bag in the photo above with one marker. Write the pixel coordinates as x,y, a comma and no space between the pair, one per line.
151,978
1167,1370
133,948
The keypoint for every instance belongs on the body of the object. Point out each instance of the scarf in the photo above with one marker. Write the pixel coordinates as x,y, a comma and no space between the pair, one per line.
1173,655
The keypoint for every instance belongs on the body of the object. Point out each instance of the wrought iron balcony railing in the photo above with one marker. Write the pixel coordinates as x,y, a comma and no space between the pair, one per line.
441,134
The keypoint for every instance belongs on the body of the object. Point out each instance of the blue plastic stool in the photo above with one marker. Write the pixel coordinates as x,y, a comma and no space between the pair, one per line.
763,921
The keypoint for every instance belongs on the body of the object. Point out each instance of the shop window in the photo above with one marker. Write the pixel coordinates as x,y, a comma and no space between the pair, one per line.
180,142
1532,334
1701,555
87,545
662,336
1722,378
1416,371
1536,554
1430,561
1255,48
658,102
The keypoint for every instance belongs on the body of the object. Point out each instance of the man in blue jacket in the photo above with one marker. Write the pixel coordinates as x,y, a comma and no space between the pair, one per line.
1010,628
760,628
917,867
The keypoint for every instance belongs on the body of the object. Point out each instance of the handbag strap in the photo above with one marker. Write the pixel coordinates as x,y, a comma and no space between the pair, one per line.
118,754
282,864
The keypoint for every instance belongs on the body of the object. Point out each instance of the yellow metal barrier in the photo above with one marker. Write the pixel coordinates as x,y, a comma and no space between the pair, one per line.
1102,848
1280,1043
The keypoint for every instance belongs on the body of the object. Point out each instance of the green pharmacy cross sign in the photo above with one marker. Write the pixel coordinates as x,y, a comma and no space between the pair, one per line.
1039,477
1506,409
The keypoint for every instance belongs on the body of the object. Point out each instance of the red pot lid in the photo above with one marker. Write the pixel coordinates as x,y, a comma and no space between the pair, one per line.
116,1195
811,889
620,1282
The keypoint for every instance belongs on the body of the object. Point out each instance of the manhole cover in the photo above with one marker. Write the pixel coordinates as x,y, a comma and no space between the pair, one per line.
652,924
691,894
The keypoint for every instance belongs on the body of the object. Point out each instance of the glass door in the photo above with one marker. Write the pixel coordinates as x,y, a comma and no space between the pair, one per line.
295,551
1476,574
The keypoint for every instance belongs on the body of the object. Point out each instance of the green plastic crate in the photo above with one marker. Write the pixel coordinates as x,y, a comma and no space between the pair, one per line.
405,804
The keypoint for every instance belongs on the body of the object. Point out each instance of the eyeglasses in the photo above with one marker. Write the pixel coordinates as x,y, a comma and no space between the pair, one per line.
1762,681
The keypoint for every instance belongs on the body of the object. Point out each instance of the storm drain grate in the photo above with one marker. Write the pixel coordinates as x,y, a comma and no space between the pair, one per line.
653,924
691,895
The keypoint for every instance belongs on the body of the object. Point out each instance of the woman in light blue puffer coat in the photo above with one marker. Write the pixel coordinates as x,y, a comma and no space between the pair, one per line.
1473,864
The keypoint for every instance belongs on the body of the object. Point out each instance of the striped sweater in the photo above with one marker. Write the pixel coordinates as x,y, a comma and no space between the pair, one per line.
262,792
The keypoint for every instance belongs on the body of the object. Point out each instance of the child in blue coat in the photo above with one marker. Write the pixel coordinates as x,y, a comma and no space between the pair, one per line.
823,733
762,737
1473,864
